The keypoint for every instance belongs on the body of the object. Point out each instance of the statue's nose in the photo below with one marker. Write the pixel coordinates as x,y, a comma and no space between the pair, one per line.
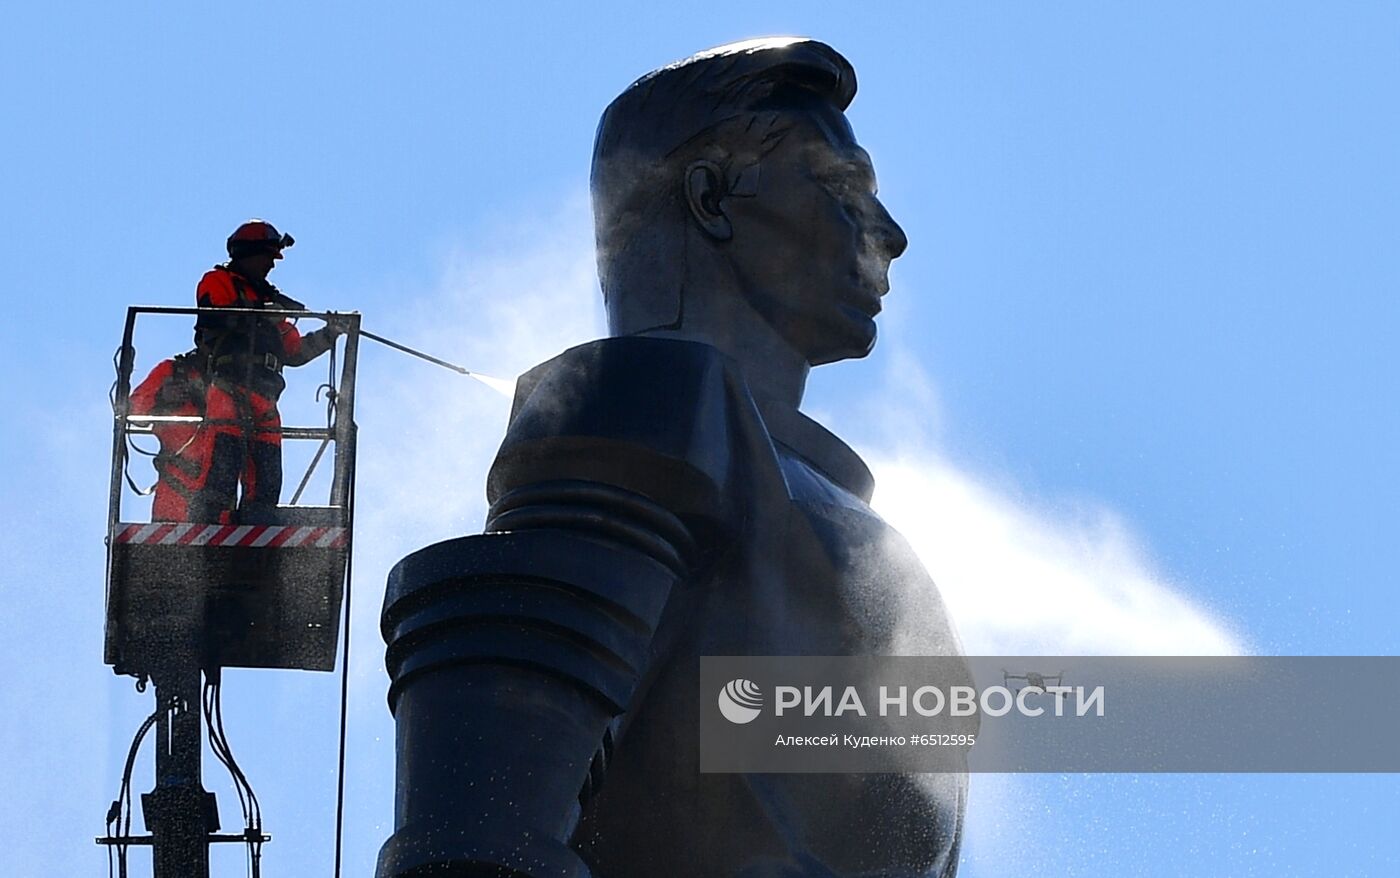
885,232
891,236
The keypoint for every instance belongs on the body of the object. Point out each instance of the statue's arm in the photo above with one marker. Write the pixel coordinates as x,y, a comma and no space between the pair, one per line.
511,652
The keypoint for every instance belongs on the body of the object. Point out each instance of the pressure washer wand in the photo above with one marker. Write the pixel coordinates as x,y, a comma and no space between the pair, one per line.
500,385
408,350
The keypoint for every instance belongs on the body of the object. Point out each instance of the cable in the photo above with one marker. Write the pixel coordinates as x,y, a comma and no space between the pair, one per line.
116,367
253,810
125,457
331,396
119,815
330,388
345,668
253,823
131,441
247,798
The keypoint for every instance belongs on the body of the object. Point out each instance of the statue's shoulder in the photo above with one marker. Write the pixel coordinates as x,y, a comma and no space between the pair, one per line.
627,383
652,415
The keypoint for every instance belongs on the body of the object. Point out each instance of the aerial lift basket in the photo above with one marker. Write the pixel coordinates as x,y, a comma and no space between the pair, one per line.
265,595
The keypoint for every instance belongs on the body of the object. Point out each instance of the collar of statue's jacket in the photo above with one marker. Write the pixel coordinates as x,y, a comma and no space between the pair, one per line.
819,447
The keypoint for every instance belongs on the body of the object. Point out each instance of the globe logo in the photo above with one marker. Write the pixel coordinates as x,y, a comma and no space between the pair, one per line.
741,701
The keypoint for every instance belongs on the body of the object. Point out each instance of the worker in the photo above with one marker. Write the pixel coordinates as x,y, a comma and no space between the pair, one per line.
244,355
177,387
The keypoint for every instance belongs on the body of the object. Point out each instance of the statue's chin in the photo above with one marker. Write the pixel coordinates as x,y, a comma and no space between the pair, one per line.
856,341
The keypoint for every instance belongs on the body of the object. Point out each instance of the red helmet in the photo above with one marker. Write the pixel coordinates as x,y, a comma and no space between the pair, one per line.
256,235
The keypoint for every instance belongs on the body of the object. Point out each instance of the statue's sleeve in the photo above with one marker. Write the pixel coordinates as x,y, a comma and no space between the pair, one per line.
512,652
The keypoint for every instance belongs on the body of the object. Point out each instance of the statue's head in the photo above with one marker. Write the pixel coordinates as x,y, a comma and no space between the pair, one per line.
740,160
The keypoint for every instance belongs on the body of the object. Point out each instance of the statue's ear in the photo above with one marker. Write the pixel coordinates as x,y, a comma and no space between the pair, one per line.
704,194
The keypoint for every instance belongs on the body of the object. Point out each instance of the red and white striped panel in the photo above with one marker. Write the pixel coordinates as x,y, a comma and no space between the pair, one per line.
257,536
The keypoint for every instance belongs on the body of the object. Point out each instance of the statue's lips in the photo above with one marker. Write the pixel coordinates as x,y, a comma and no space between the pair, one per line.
867,296
865,306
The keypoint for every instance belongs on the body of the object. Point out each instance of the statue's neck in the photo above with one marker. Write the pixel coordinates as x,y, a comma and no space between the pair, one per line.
711,308
775,373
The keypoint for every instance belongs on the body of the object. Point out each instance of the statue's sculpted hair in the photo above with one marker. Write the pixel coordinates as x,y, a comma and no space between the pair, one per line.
730,105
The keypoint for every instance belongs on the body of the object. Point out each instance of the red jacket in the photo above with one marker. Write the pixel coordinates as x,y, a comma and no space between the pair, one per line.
174,387
222,287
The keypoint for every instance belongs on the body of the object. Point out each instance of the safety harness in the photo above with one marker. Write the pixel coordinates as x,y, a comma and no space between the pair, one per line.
245,349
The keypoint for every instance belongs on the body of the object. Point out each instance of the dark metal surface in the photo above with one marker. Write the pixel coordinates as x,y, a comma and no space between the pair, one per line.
659,497
179,812
239,606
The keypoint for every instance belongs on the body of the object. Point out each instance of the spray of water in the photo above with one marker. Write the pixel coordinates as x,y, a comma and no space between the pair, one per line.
504,386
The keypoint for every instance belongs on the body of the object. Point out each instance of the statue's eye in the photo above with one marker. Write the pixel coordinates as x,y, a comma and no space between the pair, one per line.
842,183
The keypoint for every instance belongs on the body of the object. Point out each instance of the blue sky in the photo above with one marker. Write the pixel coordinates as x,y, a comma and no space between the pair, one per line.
1135,383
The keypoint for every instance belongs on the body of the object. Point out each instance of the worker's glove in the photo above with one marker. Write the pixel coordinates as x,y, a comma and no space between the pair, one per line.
279,299
338,324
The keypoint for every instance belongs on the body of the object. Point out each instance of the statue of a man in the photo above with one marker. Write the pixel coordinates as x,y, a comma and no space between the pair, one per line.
659,497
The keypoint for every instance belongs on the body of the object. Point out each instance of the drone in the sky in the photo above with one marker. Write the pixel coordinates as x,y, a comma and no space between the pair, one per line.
1033,680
